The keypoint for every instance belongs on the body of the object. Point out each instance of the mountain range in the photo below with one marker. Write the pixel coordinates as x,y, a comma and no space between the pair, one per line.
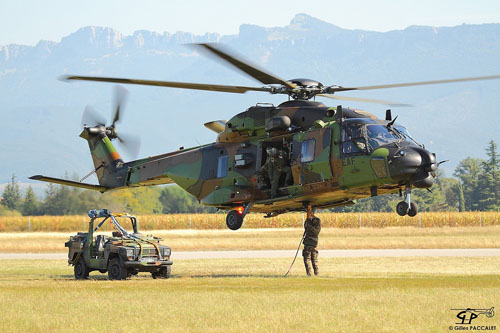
41,115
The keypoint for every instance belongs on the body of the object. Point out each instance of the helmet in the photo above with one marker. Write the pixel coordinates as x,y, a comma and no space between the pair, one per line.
272,151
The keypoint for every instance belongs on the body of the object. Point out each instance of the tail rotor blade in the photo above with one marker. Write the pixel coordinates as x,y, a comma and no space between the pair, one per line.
120,100
91,118
130,143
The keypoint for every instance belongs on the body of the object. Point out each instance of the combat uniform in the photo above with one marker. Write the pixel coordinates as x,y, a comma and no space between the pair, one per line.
312,228
276,165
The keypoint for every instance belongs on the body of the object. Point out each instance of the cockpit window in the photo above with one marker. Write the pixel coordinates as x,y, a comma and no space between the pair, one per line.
404,133
353,141
379,135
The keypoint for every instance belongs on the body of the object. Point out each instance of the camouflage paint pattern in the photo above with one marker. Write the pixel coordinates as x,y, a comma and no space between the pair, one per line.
223,174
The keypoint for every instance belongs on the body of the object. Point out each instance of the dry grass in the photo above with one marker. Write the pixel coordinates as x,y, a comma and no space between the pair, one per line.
268,239
352,295
217,221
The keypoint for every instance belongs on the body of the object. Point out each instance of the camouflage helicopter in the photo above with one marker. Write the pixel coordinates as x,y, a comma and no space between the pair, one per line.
333,155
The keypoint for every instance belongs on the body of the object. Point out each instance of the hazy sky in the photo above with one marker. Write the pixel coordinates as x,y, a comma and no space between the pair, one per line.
28,21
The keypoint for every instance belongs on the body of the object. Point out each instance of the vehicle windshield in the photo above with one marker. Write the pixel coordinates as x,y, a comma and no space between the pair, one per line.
379,135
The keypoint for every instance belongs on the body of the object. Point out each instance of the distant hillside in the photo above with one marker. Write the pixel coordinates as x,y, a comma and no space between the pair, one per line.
41,115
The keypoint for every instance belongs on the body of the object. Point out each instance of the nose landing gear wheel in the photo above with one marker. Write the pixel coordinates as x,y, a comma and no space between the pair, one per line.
402,208
413,210
234,220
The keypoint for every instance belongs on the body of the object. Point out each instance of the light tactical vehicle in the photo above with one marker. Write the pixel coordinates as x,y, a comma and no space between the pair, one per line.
122,255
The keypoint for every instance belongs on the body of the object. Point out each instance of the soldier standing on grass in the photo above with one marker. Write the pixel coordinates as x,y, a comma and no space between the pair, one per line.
312,226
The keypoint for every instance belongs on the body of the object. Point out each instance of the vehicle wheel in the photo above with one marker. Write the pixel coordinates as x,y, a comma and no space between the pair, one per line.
234,220
81,270
402,208
413,209
116,271
163,273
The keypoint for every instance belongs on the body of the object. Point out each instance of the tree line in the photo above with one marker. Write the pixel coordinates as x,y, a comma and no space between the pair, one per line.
475,187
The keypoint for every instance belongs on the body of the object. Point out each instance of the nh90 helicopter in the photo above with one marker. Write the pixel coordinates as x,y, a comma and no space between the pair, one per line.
334,154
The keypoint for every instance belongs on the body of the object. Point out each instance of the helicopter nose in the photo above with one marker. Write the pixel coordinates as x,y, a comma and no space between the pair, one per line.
413,165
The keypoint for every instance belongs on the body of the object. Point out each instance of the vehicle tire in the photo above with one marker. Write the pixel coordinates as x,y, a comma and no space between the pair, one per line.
234,220
81,270
402,208
163,273
413,209
116,271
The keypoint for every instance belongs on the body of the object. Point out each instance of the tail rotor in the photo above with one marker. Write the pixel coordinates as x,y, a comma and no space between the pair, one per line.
92,120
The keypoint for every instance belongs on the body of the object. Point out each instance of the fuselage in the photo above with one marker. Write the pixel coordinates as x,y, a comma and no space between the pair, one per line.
336,155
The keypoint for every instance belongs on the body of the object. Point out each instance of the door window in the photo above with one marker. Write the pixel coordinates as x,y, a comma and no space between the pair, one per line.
353,141
222,166
307,150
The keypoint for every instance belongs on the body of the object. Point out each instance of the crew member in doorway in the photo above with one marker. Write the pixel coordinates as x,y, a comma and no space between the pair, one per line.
276,164
312,226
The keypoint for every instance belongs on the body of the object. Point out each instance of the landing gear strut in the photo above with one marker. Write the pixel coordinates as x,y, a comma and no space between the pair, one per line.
407,206
234,218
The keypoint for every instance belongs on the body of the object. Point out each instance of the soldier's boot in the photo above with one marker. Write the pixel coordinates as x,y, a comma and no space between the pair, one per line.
314,261
307,258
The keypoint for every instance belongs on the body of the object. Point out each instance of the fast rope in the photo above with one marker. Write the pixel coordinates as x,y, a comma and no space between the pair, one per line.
296,253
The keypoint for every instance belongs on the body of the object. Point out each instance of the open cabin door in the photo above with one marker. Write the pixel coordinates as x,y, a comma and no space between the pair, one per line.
311,156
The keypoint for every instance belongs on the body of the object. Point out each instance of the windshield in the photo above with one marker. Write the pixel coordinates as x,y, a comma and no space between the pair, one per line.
404,133
379,135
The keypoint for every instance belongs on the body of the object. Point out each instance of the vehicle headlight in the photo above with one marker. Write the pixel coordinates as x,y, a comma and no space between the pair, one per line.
166,252
128,253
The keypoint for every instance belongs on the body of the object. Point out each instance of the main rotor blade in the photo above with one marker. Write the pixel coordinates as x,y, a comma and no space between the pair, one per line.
245,67
421,83
364,100
184,85
120,99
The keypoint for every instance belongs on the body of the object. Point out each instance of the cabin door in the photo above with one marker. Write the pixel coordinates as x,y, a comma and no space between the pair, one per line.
311,156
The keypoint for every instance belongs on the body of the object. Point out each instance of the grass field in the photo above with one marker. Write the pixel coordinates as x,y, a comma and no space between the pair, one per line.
269,239
252,221
352,295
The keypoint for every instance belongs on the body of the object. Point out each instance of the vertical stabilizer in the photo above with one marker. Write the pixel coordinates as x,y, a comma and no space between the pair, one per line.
107,161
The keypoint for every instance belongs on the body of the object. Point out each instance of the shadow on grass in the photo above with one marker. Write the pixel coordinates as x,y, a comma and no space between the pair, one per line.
104,277
222,276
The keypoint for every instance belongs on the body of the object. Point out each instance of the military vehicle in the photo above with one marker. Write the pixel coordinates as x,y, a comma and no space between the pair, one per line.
122,255
334,154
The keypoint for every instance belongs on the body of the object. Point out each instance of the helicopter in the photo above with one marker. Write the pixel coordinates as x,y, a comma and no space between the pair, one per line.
334,155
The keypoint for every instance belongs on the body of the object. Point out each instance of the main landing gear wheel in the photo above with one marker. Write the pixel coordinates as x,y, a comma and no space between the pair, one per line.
234,220
413,210
402,208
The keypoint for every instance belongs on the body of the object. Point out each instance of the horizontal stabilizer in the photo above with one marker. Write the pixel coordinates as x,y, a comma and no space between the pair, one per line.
70,183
